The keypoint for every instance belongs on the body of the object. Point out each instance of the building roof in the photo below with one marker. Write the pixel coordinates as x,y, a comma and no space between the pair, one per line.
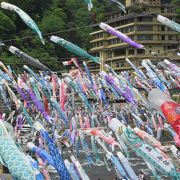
128,16
132,15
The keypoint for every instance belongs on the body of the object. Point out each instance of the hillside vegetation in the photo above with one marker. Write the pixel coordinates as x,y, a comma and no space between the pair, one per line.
69,19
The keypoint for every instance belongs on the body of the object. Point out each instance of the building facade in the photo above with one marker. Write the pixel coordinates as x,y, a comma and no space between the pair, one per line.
140,24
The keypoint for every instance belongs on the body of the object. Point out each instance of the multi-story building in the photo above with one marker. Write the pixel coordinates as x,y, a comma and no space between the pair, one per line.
140,24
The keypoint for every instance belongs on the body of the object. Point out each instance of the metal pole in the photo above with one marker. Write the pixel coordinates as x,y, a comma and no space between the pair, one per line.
0,49
73,100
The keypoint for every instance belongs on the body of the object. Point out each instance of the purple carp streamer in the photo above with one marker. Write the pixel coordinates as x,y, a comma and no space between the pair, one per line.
120,35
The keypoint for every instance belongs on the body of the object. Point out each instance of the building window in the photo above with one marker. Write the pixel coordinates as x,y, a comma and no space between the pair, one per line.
144,28
158,51
148,37
140,19
131,20
171,10
150,47
163,37
120,64
140,51
118,24
150,51
147,19
145,37
122,22
117,64
109,54
162,28
114,41
132,37
120,52
131,28
172,47
97,36
126,30
170,38
131,51
139,37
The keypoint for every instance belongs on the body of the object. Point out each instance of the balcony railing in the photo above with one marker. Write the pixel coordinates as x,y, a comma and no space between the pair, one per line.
97,39
96,48
95,32
140,56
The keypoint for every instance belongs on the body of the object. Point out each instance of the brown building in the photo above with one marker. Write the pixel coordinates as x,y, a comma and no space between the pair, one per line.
140,24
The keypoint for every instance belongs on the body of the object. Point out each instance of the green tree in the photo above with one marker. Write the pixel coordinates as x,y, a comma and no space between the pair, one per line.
7,26
69,19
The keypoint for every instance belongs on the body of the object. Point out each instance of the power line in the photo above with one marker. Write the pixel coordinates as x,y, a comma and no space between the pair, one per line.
68,30
79,58
46,34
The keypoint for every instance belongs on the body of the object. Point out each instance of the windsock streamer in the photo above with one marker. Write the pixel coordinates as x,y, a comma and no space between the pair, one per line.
120,35
25,17
169,108
73,48
168,23
28,59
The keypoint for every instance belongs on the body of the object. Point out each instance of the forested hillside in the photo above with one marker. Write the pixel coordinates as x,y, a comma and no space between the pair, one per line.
69,19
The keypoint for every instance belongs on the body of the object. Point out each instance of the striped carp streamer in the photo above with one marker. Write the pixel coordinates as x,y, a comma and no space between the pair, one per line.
127,166
140,74
172,66
121,6
169,23
41,153
154,77
74,48
143,149
72,61
89,4
54,152
13,158
79,168
25,17
28,59
72,170
120,35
